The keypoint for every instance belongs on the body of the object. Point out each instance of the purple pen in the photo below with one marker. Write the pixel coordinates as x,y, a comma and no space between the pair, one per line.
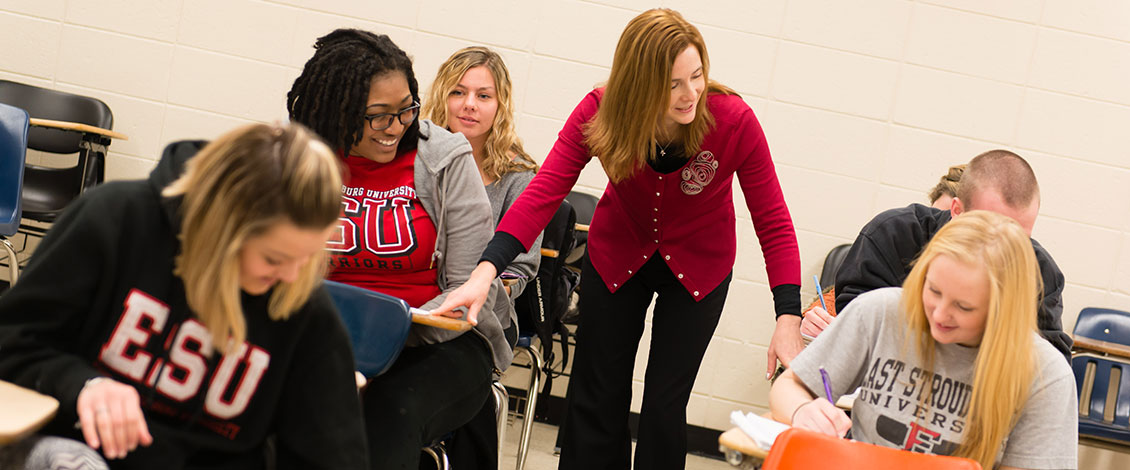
827,384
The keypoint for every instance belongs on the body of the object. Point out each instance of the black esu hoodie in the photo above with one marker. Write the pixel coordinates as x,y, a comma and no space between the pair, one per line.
99,298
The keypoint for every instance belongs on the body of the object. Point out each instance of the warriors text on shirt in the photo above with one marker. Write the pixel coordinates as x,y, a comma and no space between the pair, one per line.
385,238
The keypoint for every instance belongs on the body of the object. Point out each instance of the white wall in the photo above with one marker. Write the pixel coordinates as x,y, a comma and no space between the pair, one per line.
865,104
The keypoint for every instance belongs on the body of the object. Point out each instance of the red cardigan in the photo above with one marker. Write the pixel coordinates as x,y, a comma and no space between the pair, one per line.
687,216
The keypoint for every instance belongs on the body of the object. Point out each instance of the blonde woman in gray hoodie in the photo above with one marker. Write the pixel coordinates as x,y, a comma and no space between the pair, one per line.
416,218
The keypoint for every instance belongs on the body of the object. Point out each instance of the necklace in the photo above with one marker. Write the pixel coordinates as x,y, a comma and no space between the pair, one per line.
663,149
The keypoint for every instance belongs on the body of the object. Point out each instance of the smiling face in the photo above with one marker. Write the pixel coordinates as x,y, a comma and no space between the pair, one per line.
388,93
472,105
278,255
687,84
955,296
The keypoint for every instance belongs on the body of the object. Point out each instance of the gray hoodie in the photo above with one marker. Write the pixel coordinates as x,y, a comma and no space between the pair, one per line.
451,190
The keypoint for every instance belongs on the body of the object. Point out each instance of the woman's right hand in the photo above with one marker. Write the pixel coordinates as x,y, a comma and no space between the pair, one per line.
110,415
821,416
471,295
816,319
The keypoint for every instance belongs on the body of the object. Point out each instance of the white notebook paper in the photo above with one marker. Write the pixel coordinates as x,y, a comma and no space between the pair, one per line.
763,431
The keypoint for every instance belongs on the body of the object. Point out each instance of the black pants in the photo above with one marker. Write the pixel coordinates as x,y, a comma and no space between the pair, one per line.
429,391
474,446
596,433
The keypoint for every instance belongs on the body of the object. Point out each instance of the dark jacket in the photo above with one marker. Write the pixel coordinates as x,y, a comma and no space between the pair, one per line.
99,298
882,254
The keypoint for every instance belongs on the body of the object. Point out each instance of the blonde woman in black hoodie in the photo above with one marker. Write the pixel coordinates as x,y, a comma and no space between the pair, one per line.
179,321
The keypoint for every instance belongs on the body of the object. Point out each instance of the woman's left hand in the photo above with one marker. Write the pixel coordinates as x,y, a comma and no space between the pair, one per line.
786,343
111,418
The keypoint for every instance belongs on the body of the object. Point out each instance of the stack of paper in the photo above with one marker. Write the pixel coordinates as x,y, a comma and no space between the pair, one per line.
763,431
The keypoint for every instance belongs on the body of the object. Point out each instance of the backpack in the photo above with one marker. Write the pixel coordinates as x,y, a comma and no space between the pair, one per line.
542,304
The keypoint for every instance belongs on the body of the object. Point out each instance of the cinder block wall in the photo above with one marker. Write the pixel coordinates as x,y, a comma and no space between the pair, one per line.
865,104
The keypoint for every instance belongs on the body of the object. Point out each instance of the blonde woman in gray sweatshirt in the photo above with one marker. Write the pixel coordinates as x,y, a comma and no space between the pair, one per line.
471,95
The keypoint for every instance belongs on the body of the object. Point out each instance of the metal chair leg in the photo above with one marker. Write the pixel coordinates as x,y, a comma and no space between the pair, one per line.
501,409
13,261
439,455
536,365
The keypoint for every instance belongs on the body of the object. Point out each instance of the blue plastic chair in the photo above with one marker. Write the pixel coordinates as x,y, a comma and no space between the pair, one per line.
378,325
1102,374
1103,324
1103,383
13,150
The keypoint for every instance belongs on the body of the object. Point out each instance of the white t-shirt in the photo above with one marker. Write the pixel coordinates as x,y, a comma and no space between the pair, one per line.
865,347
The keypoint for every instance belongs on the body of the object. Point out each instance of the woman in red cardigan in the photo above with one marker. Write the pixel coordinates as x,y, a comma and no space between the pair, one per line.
665,225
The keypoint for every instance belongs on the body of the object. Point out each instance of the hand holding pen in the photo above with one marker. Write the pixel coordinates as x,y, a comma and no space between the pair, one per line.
816,319
821,414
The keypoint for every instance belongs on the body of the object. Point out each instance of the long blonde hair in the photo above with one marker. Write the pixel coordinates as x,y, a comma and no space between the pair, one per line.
236,188
638,92
1006,361
503,152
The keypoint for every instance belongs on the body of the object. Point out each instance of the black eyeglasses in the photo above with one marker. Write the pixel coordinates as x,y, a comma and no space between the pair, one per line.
380,122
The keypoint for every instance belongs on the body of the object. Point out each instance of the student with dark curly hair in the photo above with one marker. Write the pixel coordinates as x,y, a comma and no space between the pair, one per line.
416,218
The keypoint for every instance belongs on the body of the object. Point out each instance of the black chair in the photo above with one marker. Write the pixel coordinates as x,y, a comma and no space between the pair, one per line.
584,205
46,190
832,264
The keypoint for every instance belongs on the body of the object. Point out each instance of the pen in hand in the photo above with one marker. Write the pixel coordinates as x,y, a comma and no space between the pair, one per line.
827,385
820,292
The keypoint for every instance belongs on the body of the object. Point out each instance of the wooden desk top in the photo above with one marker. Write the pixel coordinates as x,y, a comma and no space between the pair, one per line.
74,126
1102,346
735,439
23,411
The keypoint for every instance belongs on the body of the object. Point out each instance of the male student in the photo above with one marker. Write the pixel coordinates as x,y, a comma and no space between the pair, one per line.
881,256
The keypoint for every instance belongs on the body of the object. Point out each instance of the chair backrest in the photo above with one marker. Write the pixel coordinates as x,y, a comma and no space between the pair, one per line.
378,325
797,449
832,264
1103,324
1103,383
13,150
584,205
43,103
47,190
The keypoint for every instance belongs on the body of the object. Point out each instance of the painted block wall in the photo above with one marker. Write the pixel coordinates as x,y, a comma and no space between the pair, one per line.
865,104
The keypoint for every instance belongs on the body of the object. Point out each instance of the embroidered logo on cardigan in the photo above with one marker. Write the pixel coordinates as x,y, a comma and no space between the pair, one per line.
699,173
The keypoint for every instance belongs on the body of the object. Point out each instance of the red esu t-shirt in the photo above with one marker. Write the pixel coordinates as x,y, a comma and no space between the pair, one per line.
386,238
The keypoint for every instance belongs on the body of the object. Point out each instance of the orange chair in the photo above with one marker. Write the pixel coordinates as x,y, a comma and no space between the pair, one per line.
797,449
